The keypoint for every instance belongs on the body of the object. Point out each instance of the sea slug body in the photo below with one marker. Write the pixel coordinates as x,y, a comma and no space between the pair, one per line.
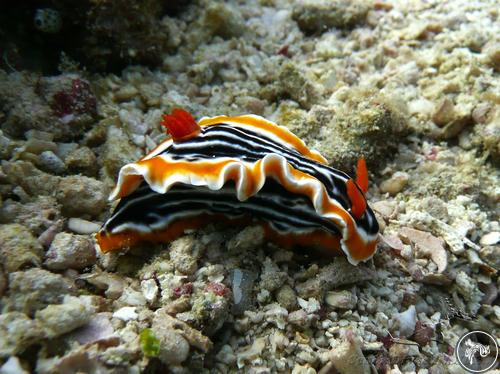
240,169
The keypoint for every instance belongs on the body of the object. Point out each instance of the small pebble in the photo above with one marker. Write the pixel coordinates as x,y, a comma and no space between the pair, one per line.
348,358
481,112
81,195
310,306
298,318
491,238
226,355
50,162
287,297
98,328
174,341
242,287
150,290
445,112
405,322
181,254
127,313
398,353
395,183
59,319
341,299
426,246
12,366
491,254
70,251
82,226
18,248
82,160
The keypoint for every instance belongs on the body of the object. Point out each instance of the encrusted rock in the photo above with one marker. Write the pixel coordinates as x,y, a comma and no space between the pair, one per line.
423,333
427,246
320,15
226,355
271,278
82,160
249,352
35,289
339,273
386,208
310,306
174,348
445,112
348,358
489,135
181,254
56,320
175,338
37,215
395,183
29,178
492,51
18,248
223,19
210,308
70,251
295,84
112,41
491,254
298,318
64,104
287,297
365,124
250,238
341,299
7,145
81,195
193,336
17,332
112,284
117,151
398,353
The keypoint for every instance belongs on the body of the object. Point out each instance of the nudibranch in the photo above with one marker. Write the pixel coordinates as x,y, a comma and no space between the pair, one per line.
242,169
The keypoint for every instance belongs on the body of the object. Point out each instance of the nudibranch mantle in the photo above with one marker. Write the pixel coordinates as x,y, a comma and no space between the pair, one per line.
233,168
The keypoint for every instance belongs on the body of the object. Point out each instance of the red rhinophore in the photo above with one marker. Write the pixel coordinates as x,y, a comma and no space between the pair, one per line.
358,202
180,125
362,175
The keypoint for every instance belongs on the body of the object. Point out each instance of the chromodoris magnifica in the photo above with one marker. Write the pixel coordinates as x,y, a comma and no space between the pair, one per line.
242,169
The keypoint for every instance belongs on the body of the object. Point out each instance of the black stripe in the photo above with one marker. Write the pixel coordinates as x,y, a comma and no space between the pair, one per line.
286,212
226,141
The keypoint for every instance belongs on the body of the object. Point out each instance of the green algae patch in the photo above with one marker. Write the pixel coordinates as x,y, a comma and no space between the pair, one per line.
150,345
